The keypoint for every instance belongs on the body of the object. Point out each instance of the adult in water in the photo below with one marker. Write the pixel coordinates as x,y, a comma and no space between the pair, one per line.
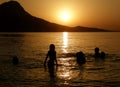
52,60
96,54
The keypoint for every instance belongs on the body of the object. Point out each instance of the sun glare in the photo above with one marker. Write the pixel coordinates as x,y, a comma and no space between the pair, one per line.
65,41
65,16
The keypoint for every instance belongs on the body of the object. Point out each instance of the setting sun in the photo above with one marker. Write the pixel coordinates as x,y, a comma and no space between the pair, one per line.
65,16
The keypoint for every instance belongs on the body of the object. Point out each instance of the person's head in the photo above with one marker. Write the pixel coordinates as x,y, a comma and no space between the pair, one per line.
52,47
102,54
80,54
96,50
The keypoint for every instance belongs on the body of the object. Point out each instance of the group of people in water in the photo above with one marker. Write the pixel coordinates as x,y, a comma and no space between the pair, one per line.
51,54
80,58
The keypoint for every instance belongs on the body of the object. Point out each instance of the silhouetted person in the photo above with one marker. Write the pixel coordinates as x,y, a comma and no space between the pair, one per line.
102,55
52,58
97,54
81,61
80,58
15,60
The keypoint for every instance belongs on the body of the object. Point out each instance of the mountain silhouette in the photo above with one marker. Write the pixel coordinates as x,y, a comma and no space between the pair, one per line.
13,18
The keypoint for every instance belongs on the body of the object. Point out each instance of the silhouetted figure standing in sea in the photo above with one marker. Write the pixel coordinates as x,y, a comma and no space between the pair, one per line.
52,58
15,60
102,55
80,58
97,54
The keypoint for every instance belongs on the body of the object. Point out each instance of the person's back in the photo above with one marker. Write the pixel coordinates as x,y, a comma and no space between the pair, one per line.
52,55
52,58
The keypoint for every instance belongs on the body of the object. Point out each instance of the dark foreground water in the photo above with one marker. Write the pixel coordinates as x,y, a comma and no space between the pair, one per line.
31,49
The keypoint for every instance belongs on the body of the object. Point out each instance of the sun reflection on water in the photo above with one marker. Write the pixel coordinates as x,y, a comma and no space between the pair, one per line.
65,41
65,71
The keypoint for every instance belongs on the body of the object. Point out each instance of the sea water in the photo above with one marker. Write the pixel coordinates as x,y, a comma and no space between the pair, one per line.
31,49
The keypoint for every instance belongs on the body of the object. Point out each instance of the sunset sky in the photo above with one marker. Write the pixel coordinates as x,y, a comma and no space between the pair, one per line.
90,13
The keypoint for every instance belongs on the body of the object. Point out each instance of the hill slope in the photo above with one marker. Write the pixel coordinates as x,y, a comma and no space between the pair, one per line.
13,18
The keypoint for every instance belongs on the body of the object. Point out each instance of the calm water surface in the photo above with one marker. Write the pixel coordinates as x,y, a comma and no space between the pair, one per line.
31,48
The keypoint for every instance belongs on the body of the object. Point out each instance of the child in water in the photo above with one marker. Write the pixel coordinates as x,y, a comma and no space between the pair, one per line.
52,59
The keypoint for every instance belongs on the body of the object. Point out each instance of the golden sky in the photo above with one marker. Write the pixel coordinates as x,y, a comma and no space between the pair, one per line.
90,13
